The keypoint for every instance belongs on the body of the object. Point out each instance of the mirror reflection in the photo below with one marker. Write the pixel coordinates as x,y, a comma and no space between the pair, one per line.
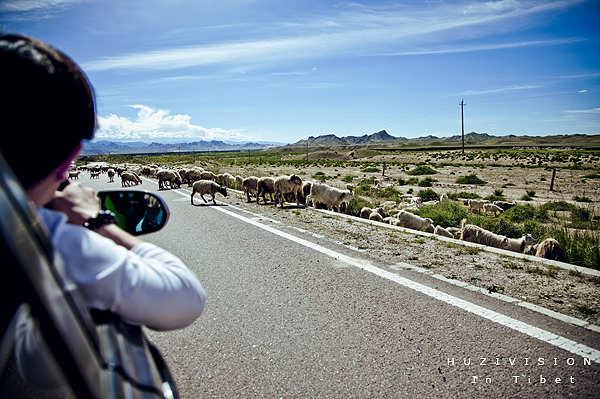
137,212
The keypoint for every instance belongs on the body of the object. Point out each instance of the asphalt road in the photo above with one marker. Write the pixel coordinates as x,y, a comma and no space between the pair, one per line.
284,319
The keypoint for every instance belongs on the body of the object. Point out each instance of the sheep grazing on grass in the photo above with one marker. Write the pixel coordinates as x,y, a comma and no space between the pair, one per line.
548,249
111,175
443,198
74,175
415,222
365,212
250,186
265,185
440,231
476,205
168,176
207,187
226,179
495,209
130,179
287,185
332,197
476,234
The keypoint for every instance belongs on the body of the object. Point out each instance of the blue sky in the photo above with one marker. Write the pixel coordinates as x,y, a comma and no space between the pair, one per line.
170,70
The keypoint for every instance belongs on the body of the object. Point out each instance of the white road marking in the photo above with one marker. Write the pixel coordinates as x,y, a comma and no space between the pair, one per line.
524,328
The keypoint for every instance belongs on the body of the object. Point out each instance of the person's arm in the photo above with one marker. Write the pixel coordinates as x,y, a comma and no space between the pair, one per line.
80,203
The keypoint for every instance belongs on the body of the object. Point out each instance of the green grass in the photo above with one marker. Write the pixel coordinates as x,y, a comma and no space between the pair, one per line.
577,198
526,197
585,310
427,182
445,214
470,179
592,176
422,170
542,272
428,195
463,195
349,178
371,170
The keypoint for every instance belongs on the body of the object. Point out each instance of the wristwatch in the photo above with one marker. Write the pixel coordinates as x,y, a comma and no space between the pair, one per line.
101,219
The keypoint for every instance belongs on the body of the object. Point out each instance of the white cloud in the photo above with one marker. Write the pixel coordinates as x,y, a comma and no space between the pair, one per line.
31,5
499,90
584,111
354,31
583,91
153,124
485,47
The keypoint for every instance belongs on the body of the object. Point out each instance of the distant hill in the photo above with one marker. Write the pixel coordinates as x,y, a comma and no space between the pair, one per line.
383,138
112,147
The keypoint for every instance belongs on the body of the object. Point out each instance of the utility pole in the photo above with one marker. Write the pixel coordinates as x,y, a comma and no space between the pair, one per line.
462,117
307,149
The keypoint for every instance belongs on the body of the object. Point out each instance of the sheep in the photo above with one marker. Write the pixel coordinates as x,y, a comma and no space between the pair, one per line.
250,186
74,175
549,249
455,231
476,234
238,182
495,209
440,231
147,171
376,216
94,174
170,176
265,185
476,205
365,212
287,184
505,204
207,187
331,197
194,175
415,222
206,175
443,198
305,191
111,175
129,178
183,173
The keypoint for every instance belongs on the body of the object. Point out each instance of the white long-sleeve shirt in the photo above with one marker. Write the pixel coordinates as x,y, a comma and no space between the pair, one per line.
145,285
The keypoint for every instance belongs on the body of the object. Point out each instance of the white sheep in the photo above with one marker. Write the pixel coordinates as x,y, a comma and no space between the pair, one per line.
443,198
265,185
415,222
476,205
168,176
306,185
238,182
250,186
207,187
376,216
549,249
365,212
287,184
495,209
206,175
476,234
332,197
129,178
111,175
440,231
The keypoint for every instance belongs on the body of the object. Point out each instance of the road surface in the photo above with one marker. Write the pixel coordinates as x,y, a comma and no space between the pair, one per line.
291,315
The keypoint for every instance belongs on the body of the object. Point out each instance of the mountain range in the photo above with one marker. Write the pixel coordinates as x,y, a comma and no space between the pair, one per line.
140,147
381,138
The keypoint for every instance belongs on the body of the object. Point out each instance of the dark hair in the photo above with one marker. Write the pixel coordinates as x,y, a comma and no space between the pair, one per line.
47,106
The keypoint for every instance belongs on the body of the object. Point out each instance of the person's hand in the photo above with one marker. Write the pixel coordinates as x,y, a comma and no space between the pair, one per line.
79,203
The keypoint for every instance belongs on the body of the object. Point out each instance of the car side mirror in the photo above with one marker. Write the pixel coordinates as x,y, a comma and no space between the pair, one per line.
137,212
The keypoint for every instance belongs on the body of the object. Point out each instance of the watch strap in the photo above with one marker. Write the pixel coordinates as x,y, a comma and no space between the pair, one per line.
101,219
